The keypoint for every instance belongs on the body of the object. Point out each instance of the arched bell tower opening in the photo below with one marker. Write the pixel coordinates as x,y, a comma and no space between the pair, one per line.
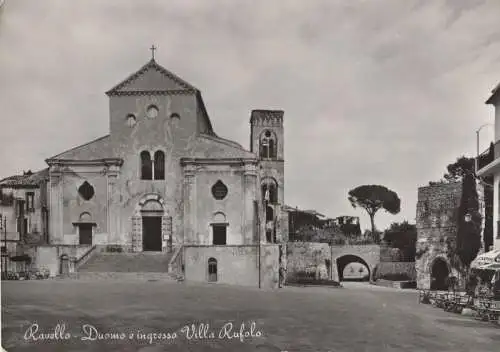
151,226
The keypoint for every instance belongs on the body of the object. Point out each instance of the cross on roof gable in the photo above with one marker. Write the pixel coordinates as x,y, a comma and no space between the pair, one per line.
152,77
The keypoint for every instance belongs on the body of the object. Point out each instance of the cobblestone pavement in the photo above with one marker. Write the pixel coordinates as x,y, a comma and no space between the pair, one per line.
358,317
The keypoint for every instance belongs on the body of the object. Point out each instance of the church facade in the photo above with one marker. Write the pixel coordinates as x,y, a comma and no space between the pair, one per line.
163,181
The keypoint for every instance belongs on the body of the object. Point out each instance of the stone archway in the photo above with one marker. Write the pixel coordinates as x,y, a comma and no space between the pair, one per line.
346,259
440,271
151,225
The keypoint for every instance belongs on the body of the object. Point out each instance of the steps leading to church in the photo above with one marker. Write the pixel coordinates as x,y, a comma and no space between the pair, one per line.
121,276
145,262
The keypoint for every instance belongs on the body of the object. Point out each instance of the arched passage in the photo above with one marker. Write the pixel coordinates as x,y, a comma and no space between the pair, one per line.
344,260
439,272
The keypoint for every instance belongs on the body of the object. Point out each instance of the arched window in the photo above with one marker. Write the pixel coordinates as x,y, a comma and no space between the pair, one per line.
270,191
268,145
146,166
159,165
212,270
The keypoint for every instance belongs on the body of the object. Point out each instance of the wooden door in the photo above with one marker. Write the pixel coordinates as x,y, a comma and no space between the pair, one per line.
85,232
151,233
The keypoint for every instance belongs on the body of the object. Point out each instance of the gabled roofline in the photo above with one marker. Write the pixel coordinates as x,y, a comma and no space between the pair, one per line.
78,146
204,112
494,95
150,64
225,141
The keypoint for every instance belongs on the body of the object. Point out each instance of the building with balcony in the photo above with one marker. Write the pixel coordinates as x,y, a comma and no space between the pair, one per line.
23,214
488,165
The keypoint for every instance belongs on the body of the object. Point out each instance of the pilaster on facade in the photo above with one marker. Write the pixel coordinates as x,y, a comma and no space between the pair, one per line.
56,205
249,190
189,198
113,205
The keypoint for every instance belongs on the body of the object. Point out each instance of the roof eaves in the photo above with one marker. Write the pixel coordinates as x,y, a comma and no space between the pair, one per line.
494,95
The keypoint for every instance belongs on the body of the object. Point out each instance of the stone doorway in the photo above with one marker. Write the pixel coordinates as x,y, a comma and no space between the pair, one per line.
151,238
151,225
439,273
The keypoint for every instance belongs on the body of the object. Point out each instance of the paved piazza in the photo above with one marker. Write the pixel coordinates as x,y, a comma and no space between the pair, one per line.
68,315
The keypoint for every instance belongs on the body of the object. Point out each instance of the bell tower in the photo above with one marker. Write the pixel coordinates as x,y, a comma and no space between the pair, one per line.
266,140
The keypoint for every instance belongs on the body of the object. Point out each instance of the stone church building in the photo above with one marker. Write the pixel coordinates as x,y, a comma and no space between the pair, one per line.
162,181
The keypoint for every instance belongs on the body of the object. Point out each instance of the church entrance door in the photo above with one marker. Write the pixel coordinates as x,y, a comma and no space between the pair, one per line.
85,233
151,233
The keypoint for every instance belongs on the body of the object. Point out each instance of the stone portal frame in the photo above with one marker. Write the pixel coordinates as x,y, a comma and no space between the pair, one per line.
143,206
433,261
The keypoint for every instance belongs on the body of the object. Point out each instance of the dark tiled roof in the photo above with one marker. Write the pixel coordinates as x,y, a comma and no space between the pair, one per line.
26,180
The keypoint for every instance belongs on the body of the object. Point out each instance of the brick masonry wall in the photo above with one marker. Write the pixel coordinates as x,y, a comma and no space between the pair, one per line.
437,211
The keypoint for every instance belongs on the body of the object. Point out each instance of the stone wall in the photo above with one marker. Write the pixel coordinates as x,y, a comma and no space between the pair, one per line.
437,211
308,257
320,259
236,265
49,256
407,268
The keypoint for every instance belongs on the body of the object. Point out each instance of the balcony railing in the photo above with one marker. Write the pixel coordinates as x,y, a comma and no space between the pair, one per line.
488,157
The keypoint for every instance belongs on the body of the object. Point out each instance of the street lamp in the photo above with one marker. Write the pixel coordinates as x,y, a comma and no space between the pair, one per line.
468,217
477,143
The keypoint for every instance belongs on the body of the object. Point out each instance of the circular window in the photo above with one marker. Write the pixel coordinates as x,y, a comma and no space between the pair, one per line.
268,134
131,121
152,111
219,190
86,191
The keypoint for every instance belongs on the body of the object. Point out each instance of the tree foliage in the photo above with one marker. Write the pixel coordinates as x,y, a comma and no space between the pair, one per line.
372,198
404,237
469,232
461,167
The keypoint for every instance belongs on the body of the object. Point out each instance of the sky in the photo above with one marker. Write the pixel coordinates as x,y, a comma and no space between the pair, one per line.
374,92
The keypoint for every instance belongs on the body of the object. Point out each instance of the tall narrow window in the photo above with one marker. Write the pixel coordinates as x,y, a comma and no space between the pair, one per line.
212,270
270,191
30,200
269,214
146,166
271,149
159,165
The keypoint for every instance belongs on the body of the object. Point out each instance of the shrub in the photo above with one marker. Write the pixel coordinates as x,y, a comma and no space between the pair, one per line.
114,249
396,277
304,275
309,281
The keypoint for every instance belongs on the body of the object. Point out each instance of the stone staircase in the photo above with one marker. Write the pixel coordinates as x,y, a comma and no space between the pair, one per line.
151,266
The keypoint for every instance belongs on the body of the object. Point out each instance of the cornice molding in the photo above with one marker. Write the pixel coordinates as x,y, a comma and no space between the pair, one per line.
151,92
96,162
228,161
